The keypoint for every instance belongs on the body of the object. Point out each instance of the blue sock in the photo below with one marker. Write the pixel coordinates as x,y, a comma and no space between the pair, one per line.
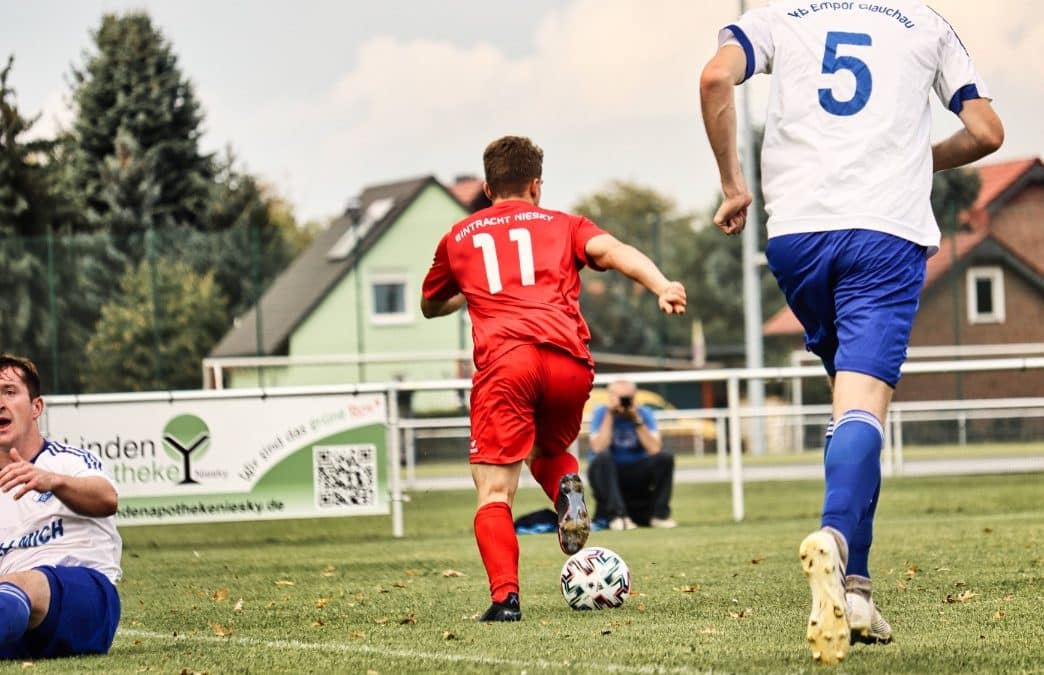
14,613
853,472
862,537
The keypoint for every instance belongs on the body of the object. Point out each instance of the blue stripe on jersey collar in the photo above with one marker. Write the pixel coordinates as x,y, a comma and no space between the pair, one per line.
748,48
965,93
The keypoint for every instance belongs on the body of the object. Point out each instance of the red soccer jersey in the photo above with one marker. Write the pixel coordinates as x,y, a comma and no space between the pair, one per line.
518,266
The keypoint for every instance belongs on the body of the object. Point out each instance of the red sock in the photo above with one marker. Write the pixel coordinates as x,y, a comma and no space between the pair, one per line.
498,546
548,471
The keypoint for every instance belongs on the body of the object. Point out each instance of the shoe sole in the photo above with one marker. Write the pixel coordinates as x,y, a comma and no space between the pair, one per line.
574,526
828,632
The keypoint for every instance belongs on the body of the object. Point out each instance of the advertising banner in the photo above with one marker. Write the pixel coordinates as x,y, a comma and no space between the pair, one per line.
209,460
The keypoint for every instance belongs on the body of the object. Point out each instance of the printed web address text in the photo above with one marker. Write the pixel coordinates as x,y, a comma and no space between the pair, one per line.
200,509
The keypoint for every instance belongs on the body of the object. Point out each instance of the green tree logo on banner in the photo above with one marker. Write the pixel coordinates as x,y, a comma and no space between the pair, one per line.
186,436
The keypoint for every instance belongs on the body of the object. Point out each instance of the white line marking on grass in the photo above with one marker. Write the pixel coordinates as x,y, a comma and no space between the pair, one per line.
340,647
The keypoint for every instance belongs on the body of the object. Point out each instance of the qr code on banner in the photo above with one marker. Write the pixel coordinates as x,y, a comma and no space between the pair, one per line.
345,476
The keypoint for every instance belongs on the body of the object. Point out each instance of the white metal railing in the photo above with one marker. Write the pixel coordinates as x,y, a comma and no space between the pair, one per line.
733,412
732,378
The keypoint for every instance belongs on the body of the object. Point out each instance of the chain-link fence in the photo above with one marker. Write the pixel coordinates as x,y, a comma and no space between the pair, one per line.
138,312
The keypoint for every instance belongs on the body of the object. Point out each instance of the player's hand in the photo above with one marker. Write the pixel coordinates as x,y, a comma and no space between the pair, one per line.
672,299
731,216
25,474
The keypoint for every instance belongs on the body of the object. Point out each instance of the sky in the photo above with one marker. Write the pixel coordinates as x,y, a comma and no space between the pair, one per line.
321,98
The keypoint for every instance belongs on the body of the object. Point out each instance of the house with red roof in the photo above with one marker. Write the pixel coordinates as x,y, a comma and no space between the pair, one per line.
985,286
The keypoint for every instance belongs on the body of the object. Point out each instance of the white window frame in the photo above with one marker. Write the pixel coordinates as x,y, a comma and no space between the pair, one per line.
996,277
401,318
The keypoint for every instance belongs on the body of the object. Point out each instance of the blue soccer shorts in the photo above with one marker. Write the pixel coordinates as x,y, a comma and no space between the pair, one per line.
855,292
81,619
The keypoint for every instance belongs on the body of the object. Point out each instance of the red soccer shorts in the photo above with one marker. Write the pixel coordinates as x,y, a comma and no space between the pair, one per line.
531,395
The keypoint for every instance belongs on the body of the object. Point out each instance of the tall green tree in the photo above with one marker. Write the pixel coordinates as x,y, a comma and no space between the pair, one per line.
623,316
155,333
252,236
135,152
27,207
953,191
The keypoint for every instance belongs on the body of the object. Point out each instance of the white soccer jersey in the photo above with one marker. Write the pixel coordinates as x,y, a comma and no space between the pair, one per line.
847,135
39,529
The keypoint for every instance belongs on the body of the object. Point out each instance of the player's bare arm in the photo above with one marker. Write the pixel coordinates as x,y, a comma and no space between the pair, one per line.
608,252
87,495
433,308
718,103
982,134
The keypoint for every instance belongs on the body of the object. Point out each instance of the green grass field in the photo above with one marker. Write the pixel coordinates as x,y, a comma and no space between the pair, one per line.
958,568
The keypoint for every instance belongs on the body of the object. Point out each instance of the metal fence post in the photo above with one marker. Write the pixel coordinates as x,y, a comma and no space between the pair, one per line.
394,457
735,448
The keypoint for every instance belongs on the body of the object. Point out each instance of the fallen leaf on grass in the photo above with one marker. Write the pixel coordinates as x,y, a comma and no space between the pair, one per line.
759,559
606,631
284,582
223,631
964,596
321,602
743,613
220,595
902,585
358,636
446,635
960,584
401,584
381,621
942,569
238,606
452,573
641,606
912,571
987,530
408,620
318,623
691,588
999,614
328,571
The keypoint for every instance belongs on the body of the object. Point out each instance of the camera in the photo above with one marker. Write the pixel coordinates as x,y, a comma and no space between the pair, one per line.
626,401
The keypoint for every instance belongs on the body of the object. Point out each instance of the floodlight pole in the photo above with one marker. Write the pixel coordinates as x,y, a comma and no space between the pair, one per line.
751,280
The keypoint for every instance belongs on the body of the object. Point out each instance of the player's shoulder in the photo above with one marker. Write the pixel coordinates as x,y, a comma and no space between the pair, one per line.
62,456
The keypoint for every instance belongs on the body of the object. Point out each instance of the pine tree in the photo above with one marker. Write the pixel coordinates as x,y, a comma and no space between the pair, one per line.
25,209
154,334
136,158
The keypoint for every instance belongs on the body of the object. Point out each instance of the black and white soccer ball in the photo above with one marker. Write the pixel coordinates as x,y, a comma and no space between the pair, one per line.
595,578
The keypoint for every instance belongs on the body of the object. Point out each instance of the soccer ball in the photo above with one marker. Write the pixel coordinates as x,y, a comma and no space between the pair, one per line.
595,578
